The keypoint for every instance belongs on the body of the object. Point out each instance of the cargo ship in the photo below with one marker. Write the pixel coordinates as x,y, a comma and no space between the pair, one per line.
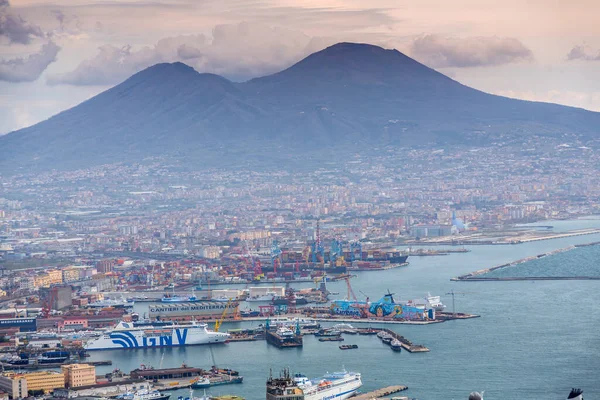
126,335
338,385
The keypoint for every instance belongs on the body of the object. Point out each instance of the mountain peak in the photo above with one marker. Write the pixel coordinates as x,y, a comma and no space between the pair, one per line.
356,64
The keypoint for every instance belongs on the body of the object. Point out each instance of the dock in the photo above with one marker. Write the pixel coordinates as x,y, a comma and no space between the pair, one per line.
380,393
407,344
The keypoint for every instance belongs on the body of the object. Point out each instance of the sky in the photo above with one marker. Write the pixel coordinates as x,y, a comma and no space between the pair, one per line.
56,54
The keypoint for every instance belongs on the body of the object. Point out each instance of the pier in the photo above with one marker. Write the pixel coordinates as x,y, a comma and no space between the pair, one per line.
407,344
380,393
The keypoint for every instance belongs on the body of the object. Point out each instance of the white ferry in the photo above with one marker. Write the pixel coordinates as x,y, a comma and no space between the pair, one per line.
144,394
127,335
429,301
338,385
306,323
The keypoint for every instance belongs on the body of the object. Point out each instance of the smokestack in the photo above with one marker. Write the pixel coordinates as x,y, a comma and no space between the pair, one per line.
576,394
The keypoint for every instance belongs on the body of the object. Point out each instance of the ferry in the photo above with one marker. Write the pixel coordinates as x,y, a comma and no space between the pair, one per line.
144,394
338,385
305,323
127,335
430,301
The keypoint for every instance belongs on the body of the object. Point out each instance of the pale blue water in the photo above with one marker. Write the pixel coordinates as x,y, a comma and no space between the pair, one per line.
581,261
533,340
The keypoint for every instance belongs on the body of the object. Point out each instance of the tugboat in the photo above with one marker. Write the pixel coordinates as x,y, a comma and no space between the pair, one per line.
396,345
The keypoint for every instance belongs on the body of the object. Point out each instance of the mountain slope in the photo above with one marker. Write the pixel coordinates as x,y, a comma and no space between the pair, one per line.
345,95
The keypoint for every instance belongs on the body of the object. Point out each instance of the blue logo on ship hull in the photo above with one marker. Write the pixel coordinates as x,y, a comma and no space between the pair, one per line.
128,340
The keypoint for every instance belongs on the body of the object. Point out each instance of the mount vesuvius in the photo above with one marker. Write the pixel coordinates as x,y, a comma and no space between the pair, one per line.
345,96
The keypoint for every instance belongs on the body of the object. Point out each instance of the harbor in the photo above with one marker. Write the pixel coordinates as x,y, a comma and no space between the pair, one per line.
365,351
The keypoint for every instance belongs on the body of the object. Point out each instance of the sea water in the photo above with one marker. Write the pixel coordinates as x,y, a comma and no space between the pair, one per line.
534,340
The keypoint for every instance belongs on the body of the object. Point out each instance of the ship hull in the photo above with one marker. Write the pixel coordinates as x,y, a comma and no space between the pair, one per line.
176,337
337,392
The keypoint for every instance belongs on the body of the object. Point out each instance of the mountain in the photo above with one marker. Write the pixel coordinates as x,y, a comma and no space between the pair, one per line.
348,95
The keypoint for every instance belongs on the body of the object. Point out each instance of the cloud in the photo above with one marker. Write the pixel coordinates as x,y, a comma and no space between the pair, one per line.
15,28
28,69
583,53
187,52
238,51
588,100
438,51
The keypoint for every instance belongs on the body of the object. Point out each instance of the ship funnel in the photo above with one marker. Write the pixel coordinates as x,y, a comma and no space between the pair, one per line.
576,394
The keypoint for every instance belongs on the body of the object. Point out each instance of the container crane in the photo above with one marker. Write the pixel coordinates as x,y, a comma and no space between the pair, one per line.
353,247
275,255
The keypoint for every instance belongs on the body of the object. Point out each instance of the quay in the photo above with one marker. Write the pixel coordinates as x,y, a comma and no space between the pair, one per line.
11,367
407,344
380,393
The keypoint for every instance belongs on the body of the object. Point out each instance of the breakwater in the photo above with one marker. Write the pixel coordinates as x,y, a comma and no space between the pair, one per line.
478,275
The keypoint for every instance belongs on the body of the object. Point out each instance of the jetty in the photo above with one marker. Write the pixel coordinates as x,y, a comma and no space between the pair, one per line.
380,393
535,278
407,344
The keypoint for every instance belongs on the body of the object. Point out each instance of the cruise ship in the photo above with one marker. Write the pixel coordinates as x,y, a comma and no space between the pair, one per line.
128,335
338,385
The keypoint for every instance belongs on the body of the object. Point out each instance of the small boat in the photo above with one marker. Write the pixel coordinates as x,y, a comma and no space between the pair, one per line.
331,339
348,346
345,328
328,332
367,331
396,345
206,382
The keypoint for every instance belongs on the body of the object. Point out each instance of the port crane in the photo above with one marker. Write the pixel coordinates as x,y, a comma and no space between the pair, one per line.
453,294
219,321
